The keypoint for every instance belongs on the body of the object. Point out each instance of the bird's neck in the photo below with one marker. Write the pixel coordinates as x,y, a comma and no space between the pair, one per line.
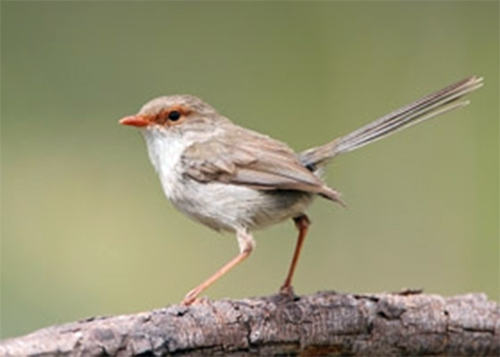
165,149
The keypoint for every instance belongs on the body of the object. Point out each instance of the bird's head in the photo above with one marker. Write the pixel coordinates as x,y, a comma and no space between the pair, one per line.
173,113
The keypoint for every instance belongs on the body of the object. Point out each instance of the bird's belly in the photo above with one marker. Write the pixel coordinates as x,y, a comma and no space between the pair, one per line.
228,207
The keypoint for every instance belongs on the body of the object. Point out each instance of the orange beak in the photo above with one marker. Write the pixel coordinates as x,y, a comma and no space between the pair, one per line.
135,120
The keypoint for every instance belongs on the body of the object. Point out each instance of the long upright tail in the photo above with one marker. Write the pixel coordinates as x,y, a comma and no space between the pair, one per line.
434,104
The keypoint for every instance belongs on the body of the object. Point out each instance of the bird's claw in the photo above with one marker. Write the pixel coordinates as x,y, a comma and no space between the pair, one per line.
287,290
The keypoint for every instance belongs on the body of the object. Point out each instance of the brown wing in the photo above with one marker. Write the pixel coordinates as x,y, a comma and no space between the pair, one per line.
254,160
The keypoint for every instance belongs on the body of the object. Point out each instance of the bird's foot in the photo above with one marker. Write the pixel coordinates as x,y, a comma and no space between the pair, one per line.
287,290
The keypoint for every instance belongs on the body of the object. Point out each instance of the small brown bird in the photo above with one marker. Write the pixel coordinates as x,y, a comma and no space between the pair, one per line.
234,179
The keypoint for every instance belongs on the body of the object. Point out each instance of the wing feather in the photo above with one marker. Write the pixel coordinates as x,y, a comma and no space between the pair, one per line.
251,159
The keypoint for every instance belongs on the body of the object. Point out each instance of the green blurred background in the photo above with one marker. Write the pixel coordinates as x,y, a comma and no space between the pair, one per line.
85,228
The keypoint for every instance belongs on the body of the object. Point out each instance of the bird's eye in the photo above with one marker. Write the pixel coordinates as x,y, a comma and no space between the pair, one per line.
174,115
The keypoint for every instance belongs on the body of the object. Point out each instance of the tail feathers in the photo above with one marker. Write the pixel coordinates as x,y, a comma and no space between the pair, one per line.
435,104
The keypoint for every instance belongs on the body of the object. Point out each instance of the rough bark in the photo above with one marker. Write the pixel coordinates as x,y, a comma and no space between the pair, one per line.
327,323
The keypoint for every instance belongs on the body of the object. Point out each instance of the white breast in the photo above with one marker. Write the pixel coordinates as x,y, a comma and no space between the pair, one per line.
165,149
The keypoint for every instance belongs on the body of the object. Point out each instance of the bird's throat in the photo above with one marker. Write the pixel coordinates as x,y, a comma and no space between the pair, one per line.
165,150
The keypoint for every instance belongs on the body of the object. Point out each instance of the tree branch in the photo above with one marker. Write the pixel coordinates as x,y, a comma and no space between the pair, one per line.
327,323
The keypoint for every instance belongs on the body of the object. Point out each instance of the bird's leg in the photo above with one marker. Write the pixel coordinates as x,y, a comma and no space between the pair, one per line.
302,223
246,244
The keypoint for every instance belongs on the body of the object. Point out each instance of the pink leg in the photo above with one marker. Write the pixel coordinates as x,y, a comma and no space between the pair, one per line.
246,244
302,223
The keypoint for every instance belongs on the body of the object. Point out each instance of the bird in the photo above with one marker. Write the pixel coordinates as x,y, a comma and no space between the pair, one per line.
233,179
